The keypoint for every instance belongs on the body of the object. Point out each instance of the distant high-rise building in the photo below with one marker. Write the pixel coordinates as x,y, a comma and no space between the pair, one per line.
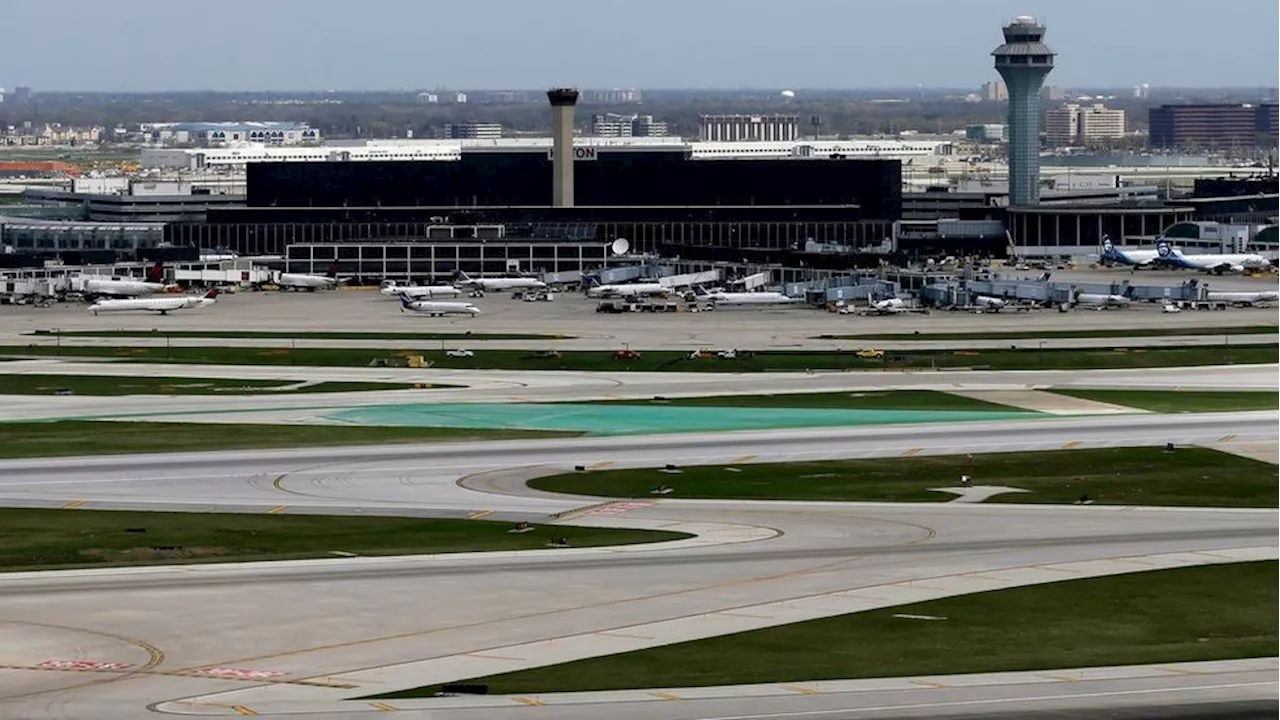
738,128
21,95
985,133
1024,61
473,131
1142,92
1071,124
611,97
1052,93
615,125
1211,126
995,91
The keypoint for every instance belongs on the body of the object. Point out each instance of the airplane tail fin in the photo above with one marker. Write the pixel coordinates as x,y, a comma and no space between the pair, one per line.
332,272
212,294
155,273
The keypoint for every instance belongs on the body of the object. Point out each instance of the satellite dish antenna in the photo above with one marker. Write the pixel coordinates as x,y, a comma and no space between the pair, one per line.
620,246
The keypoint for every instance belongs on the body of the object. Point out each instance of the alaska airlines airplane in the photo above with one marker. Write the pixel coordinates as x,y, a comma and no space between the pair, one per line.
1219,264
1126,257
431,308
162,305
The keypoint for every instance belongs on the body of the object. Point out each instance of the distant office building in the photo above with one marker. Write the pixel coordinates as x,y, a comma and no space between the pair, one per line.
609,97
1074,125
1,95
473,131
460,98
992,132
995,91
21,95
1211,126
615,125
740,128
428,97
1142,92
1023,60
1052,93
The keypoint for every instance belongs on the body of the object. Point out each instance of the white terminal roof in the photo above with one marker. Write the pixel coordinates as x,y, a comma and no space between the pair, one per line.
374,150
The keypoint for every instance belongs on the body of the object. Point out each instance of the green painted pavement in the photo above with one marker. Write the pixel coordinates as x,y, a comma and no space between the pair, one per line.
638,419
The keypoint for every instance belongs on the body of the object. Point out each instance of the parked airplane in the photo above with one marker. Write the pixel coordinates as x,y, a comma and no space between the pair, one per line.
497,284
721,297
432,308
626,290
310,283
92,286
1137,258
1219,264
1241,299
162,305
986,303
390,288
891,306
1099,301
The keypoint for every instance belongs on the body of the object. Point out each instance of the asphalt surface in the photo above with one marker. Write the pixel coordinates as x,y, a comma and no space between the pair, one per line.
303,638
314,621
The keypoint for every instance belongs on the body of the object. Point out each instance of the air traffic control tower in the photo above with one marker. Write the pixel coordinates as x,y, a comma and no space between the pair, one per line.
1024,61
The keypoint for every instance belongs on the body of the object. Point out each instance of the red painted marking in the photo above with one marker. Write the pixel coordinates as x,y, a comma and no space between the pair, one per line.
237,673
83,665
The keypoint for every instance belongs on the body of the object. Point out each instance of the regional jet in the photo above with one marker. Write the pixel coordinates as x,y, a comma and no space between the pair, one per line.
432,308
1099,301
92,286
720,297
986,303
497,284
310,283
1242,299
391,288
626,290
891,306
162,305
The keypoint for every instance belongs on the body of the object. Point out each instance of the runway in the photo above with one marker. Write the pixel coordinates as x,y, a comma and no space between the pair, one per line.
297,634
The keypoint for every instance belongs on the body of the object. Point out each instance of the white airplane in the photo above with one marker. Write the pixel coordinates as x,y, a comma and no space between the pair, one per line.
1138,258
986,303
498,284
721,297
310,283
627,290
1241,299
92,286
1099,301
390,288
1226,262
891,306
431,308
162,305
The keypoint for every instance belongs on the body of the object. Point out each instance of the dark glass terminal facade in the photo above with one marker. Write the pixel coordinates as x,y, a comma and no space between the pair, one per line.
617,179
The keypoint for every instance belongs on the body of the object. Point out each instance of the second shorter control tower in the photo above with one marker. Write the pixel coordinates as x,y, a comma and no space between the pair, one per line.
1024,61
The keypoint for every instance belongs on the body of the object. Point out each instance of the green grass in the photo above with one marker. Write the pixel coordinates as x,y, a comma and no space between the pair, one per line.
870,400
299,335
602,360
1172,401
40,539
1110,476
84,437
32,384
1216,612
1047,334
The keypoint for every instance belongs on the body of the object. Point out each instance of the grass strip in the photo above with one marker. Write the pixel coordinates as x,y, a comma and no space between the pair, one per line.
34,384
868,400
1048,334
87,437
298,335
1109,476
678,361
1215,612
45,539
1175,401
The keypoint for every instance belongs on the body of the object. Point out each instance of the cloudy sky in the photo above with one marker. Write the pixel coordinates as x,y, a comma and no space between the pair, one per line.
149,45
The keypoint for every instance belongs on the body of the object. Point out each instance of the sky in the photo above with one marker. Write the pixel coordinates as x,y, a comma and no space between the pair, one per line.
158,45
